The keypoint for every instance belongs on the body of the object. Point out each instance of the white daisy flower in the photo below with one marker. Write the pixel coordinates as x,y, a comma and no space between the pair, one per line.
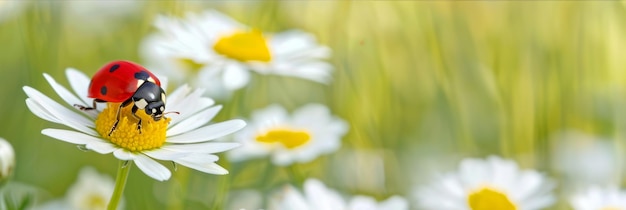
92,191
182,139
488,184
583,160
310,132
596,198
216,51
317,196
7,160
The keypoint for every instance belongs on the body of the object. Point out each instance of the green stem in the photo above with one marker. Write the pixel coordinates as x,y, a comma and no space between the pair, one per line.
120,183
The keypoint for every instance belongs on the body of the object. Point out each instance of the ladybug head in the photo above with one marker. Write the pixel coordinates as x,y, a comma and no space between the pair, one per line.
155,109
151,98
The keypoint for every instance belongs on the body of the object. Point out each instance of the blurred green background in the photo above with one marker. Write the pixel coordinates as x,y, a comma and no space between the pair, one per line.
422,84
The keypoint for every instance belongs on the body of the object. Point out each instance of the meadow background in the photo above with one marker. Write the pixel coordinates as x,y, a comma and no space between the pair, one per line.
422,84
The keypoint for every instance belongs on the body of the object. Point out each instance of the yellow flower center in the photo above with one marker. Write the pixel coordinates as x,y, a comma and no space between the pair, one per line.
126,134
244,46
95,201
611,208
288,138
489,199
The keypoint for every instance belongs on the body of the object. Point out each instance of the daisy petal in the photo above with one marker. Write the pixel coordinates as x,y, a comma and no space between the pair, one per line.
202,162
206,147
184,102
165,154
194,121
192,104
122,154
70,136
208,132
152,168
101,147
235,76
79,82
177,95
36,109
66,116
65,94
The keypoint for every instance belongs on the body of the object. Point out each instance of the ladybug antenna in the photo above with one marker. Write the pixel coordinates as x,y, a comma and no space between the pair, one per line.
172,112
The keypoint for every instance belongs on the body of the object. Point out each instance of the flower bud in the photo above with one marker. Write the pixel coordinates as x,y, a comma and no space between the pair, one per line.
7,160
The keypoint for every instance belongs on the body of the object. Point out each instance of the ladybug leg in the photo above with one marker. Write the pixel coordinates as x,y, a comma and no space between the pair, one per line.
84,108
119,109
134,110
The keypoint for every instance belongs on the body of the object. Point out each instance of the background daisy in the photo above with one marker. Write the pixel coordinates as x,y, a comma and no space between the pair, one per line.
300,137
486,184
91,190
217,52
596,198
316,195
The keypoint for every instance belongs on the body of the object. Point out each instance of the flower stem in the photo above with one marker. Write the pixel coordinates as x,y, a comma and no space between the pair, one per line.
120,183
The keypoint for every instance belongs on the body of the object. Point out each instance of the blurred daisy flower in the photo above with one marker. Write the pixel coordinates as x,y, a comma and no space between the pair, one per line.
488,184
182,139
317,196
92,191
310,132
583,160
7,160
596,198
218,52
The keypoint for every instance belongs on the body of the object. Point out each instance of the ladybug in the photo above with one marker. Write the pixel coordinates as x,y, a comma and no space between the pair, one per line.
126,82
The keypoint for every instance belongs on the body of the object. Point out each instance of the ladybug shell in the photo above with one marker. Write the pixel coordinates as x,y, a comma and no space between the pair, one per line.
117,81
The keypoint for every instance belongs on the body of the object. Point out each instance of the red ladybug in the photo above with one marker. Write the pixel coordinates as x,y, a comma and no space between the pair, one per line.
125,82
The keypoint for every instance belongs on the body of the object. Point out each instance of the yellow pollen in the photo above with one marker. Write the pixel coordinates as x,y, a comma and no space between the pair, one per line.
244,46
489,199
288,138
126,135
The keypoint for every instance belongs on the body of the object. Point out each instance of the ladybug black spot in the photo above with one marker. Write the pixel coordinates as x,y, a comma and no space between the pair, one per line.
142,75
103,90
114,67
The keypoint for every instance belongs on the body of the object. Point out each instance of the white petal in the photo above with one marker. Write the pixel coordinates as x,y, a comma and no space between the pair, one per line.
194,121
177,95
65,94
80,83
189,105
206,147
208,132
101,147
202,162
70,136
235,76
64,115
36,109
164,81
46,114
152,168
183,103
122,154
165,154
